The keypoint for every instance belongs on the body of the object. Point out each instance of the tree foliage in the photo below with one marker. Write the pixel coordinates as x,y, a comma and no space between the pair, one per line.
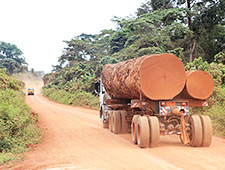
11,58
186,28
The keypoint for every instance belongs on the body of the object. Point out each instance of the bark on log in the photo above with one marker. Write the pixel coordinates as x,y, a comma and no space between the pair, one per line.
157,77
199,85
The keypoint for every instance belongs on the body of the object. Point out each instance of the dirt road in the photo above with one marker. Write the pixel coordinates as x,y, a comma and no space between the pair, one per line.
74,139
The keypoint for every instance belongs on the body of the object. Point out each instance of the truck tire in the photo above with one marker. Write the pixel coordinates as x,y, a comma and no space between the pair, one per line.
134,128
124,122
143,132
110,121
206,131
116,122
105,125
154,131
100,113
181,140
196,131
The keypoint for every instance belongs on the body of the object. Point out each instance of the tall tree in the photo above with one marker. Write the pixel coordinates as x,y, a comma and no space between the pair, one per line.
192,41
12,66
204,18
153,5
8,50
11,58
209,27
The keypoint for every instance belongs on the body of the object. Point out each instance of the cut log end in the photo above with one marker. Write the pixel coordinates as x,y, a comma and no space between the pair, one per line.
162,76
199,84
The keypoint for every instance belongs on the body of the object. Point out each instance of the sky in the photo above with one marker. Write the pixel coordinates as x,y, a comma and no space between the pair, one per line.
39,27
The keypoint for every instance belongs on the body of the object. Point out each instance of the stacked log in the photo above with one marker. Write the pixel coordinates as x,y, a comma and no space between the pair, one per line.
199,85
157,77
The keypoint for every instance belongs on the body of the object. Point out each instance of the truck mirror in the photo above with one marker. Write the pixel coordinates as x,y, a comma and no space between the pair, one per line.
97,86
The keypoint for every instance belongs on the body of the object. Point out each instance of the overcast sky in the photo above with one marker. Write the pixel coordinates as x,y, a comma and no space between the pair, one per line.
38,27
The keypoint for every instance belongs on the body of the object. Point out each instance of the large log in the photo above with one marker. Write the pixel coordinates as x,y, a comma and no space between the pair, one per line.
199,85
157,77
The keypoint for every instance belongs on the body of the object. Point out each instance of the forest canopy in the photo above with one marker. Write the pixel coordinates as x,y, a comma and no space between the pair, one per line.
190,29
11,58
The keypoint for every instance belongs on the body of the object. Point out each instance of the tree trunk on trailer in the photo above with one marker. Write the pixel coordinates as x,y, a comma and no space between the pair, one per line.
157,77
199,85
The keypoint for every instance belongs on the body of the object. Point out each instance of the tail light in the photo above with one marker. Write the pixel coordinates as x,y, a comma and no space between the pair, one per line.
163,103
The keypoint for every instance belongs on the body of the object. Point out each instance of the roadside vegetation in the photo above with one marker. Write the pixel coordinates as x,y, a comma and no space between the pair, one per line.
216,108
84,99
18,126
192,30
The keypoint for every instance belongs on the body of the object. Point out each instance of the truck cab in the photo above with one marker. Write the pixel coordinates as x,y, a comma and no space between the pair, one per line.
103,96
30,91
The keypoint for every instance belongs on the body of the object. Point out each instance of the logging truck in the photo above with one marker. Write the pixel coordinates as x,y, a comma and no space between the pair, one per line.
150,96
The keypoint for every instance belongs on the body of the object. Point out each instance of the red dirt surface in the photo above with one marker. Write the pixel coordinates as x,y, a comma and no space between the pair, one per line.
74,139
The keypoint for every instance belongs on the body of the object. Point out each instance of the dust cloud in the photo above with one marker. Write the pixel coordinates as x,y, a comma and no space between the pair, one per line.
31,81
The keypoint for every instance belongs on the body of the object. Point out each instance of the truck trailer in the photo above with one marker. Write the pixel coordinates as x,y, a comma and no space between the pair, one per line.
151,96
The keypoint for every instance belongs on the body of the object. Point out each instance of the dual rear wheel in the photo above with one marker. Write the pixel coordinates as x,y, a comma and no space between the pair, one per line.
201,131
117,121
145,131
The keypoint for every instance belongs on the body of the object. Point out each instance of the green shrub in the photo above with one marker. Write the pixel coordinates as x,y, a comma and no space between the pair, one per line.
17,124
215,110
18,127
5,157
7,81
77,98
217,70
217,115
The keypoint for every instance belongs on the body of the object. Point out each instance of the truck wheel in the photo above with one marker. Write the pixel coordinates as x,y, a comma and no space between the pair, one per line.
196,131
110,121
116,122
206,130
124,122
143,132
100,113
105,125
134,128
154,131
181,140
